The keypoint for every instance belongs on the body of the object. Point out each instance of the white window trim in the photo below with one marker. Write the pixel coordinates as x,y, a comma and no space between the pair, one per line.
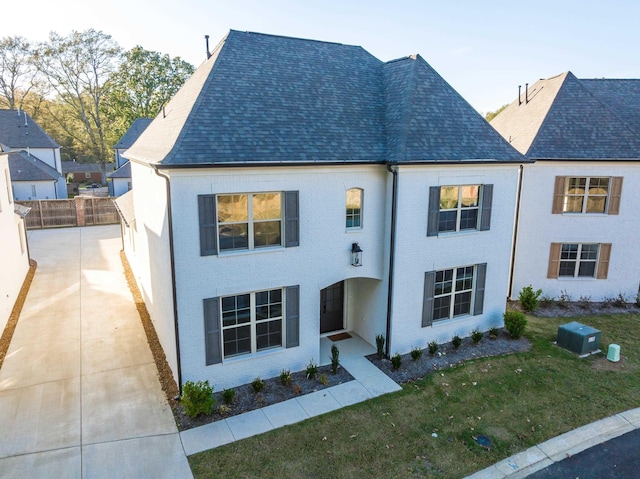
458,209
578,260
453,293
585,196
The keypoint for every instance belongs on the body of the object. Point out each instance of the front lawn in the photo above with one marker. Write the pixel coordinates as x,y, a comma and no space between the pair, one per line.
427,429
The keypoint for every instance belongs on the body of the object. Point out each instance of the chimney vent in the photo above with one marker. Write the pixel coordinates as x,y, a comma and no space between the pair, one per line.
206,39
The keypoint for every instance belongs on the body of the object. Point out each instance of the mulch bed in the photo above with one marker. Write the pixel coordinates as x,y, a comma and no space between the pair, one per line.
448,356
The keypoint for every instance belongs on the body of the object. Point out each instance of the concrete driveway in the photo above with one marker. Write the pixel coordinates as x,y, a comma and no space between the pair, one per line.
79,393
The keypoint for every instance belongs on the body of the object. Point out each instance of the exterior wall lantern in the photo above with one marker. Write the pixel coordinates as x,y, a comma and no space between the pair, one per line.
356,255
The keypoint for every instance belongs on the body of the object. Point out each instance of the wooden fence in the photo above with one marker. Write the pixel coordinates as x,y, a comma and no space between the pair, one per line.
79,211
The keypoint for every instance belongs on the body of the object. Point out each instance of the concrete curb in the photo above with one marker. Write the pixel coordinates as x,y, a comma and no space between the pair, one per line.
560,447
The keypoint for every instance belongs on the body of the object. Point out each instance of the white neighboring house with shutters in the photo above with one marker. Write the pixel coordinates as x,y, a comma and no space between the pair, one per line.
577,229
14,254
260,179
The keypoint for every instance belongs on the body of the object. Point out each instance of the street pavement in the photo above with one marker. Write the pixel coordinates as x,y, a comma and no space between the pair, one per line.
79,392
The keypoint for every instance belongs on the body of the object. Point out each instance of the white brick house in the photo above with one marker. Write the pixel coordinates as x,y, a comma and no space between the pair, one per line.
577,228
272,162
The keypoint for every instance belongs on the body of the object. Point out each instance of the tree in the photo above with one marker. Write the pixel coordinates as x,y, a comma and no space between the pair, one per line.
143,83
492,114
17,72
78,68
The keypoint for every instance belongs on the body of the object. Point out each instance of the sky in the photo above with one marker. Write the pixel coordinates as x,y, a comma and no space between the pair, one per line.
483,48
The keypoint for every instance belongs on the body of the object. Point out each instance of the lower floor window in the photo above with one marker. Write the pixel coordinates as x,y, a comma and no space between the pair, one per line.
251,322
453,292
578,260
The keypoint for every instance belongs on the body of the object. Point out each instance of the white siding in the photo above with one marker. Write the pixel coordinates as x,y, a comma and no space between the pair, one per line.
50,156
538,228
120,186
45,190
13,249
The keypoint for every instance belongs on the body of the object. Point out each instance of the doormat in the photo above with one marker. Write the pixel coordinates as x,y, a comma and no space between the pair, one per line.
339,337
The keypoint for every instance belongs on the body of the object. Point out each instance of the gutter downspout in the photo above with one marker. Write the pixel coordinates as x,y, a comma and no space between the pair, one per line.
173,275
515,233
392,253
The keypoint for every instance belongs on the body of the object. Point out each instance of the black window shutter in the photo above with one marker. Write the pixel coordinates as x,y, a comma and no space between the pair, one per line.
433,216
291,219
487,199
293,316
481,275
427,302
208,229
212,333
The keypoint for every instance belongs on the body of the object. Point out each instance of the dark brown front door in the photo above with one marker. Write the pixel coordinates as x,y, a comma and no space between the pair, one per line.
331,308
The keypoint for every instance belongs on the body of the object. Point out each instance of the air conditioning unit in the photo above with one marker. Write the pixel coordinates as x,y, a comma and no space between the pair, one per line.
579,338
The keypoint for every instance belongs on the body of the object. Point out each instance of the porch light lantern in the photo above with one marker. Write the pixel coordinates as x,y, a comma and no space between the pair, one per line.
356,255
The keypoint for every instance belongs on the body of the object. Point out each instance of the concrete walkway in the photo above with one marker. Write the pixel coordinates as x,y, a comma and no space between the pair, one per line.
79,394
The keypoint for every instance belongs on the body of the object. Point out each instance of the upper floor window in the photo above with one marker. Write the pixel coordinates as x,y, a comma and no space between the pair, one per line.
587,195
354,208
231,222
459,208
579,260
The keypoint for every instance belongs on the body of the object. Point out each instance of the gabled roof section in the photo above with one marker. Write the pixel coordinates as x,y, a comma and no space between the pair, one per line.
565,118
132,134
26,167
123,172
427,120
124,205
622,97
19,131
271,99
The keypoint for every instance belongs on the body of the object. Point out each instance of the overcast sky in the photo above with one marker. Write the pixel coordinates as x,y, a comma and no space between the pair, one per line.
483,48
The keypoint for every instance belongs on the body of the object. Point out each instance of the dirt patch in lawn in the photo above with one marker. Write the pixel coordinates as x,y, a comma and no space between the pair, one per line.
12,322
448,356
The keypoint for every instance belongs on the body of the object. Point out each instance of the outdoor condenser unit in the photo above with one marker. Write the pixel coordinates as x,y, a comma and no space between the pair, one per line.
579,338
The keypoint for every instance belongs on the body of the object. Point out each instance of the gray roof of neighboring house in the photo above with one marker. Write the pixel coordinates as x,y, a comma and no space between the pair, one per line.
124,205
132,134
569,118
26,167
123,172
19,131
75,167
20,210
265,99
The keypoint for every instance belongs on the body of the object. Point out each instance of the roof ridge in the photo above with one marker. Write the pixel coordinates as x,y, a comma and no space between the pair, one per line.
291,38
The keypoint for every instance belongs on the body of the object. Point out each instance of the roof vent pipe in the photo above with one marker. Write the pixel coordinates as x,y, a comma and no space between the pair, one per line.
519,98
206,39
526,93
25,118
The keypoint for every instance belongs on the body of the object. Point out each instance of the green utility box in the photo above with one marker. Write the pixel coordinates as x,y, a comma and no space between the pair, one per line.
579,338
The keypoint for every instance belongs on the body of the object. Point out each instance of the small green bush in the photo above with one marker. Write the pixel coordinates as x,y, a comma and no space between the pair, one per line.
529,298
323,379
456,341
335,359
285,377
197,398
257,384
312,370
416,353
494,333
433,347
477,335
515,322
380,346
396,361
228,395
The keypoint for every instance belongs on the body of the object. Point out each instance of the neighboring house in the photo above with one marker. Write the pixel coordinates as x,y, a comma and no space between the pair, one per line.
82,172
33,179
276,160
19,132
577,228
121,177
14,254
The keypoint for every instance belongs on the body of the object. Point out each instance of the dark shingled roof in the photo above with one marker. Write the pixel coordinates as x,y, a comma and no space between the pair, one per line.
26,167
132,134
123,172
18,131
264,99
568,118
75,167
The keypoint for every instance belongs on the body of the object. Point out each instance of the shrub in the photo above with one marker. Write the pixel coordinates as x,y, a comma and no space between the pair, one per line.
638,300
620,301
416,353
608,301
529,298
323,379
584,302
396,361
312,370
297,389
547,301
477,335
380,346
257,384
285,377
197,398
228,395
223,409
515,322
433,347
456,341
564,299
335,355
494,333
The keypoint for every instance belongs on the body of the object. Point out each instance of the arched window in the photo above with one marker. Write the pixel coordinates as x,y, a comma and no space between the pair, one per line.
354,208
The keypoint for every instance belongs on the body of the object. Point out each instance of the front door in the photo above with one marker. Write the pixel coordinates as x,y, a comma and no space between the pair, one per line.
331,308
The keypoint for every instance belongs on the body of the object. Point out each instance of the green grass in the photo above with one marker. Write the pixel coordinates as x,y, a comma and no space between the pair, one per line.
518,401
